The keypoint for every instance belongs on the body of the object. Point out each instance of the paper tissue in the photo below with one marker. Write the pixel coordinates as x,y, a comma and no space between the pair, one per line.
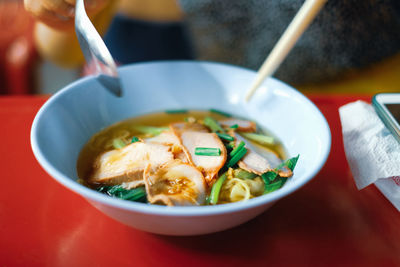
371,150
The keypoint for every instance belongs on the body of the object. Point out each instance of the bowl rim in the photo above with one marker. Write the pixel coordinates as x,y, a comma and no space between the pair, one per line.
187,211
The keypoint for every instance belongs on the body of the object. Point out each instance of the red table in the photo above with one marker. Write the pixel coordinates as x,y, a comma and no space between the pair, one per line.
327,222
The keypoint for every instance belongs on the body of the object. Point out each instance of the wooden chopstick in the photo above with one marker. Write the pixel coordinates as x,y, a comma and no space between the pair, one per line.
299,24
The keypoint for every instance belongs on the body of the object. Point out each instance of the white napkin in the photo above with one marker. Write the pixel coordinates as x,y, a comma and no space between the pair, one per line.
371,150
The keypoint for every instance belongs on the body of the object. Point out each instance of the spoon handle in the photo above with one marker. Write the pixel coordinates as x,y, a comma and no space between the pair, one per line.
95,51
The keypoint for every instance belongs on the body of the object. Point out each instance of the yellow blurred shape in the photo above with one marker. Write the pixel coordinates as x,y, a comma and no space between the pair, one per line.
62,47
380,77
152,10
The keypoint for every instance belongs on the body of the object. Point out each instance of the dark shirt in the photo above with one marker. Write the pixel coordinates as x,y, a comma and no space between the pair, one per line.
131,40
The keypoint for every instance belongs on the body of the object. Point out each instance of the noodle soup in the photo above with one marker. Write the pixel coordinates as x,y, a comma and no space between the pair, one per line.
181,158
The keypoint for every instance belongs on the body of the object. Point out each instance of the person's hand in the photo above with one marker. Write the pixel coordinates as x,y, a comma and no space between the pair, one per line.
59,14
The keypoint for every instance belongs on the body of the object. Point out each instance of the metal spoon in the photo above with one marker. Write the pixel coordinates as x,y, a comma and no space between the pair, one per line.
95,51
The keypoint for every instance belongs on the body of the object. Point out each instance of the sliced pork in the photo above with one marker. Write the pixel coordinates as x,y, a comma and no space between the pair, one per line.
165,138
260,160
180,127
253,162
126,165
209,165
243,125
168,138
175,184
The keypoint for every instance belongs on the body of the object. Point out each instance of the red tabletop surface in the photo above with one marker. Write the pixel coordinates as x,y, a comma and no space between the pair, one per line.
327,222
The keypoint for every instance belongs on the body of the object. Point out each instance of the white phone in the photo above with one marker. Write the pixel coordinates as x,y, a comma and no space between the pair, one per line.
387,106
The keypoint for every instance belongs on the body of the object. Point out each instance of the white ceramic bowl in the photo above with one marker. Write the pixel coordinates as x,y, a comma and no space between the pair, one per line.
70,117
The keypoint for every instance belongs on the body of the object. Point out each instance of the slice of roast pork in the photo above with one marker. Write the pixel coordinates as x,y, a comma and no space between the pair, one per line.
190,140
126,165
175,184
260,160
243,125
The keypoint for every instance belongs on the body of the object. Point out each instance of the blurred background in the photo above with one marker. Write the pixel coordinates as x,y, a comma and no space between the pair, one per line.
351,47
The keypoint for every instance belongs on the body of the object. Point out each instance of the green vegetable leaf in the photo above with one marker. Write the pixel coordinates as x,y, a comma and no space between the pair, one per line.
136,194
274,186
268,177
103,189
290,163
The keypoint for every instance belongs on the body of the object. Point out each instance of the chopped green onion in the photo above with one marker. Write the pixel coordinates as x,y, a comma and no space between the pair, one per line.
135,139
268,177
290,163
216,189
242,174
235,126
207,151
220,112
136,194
259,138
175,111
118,143
226,137
274,186
236,149
150,129
236,157
213,125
